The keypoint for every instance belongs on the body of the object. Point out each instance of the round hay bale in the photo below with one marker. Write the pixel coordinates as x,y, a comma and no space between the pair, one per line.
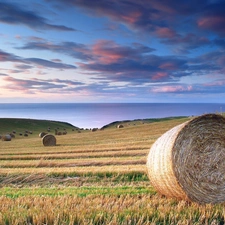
12,135
188,161
42,134
49,140
6,137
120,126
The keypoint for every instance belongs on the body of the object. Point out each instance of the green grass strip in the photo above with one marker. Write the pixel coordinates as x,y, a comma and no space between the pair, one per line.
74,191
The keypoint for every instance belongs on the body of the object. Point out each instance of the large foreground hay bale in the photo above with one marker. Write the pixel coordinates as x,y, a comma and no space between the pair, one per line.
49,140
188,161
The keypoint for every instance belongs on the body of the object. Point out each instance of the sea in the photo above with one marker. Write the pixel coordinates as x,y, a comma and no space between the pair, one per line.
97,115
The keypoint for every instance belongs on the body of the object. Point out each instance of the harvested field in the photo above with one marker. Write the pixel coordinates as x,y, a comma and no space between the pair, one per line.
90,178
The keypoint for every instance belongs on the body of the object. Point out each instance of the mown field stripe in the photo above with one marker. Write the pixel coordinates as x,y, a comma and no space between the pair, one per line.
75,191
68,170
71,163
117,154
69,151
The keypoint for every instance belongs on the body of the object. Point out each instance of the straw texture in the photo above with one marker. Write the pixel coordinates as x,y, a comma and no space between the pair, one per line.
49,140
188,161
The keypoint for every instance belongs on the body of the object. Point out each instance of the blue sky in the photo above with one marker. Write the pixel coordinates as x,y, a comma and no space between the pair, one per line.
112,51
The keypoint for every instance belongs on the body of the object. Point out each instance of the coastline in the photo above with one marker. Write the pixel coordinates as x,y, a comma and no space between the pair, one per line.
92,115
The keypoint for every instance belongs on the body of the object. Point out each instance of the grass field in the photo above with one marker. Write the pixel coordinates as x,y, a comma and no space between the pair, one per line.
88,177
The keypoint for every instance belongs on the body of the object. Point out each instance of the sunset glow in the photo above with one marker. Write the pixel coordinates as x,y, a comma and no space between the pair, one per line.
112,51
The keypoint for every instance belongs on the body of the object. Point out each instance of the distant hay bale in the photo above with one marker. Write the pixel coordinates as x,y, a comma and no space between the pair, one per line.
94,129
188,161
12,135
42,134
120,126
49,140
25,135
6,137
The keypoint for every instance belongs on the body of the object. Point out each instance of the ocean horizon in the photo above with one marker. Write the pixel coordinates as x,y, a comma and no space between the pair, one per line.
90,115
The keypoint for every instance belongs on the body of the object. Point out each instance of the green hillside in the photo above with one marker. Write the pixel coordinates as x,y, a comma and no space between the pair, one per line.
129,123
17,125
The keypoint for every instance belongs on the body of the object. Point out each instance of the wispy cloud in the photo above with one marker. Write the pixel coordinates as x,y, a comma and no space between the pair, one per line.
213,18
13,13
34,85
49,64
7,57
172,89
174,22
135,63
76,50
28,63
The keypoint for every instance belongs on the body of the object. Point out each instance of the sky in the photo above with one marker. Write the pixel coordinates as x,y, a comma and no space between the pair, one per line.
107,51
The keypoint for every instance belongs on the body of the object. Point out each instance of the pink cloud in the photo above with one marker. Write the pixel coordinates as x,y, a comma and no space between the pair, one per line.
215,83
159,76
214,22
18,84
165,32
168,66
109,52
172,89
132,17
105,52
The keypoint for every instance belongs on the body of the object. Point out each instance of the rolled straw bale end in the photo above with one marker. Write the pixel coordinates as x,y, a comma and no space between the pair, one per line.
188,161
160,168
49,140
